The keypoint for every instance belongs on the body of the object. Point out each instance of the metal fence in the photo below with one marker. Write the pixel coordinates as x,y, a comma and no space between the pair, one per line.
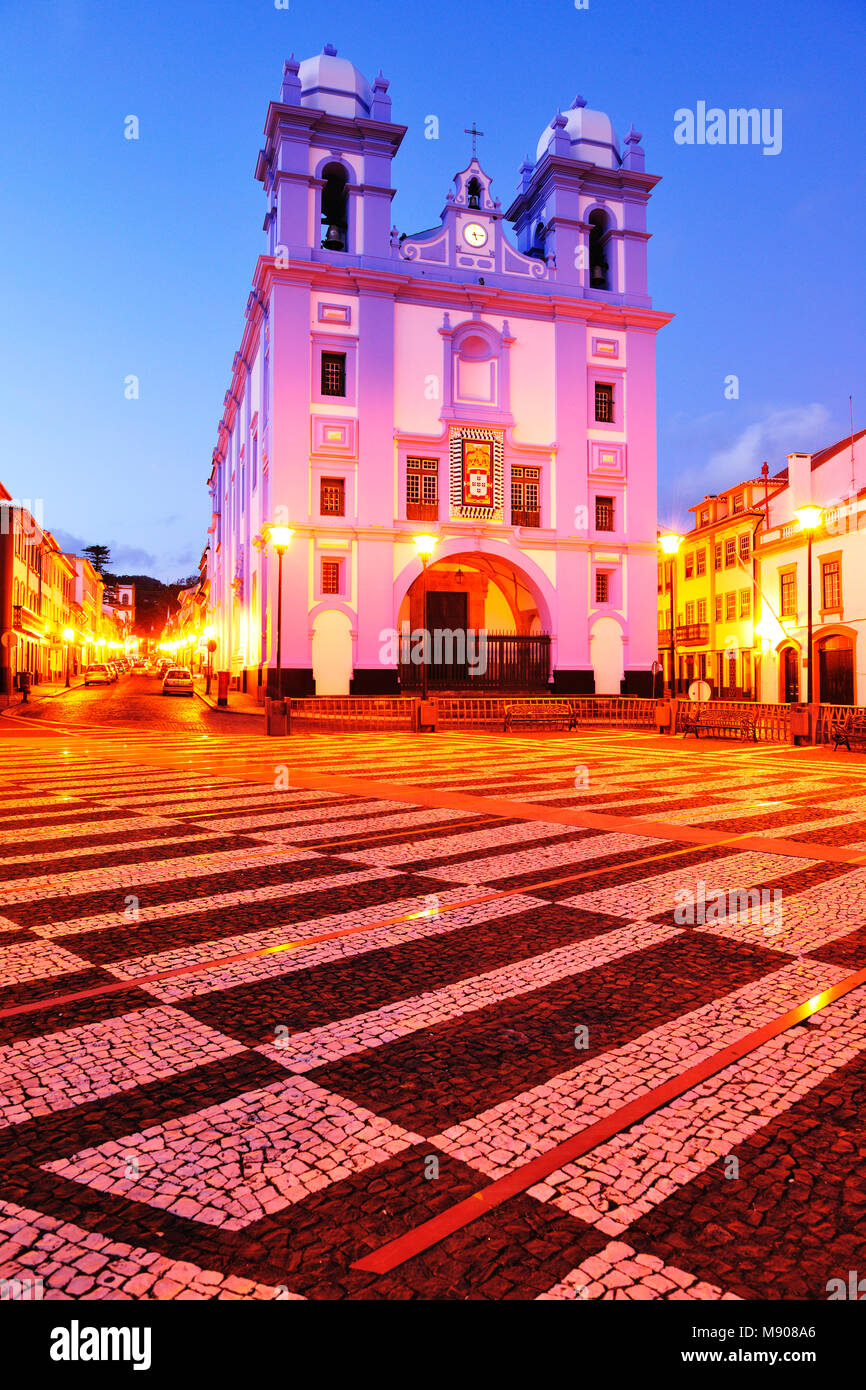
340,714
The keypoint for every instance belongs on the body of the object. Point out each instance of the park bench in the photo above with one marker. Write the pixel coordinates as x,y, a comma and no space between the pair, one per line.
541,716
708,719
850,729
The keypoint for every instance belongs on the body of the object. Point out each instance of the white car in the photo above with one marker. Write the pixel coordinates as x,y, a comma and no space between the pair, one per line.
178,681
98,675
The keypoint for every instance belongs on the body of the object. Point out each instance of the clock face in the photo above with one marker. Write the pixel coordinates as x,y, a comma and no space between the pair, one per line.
475,234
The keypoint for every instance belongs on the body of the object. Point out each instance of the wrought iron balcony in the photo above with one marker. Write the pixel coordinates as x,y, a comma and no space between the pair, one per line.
524,518
692,634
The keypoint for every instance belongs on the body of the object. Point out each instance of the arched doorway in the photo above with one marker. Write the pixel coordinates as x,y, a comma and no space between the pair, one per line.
332,652
606,654
836,670
789,676
485,622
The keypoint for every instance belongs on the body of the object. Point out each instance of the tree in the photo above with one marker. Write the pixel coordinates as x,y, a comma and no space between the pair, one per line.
98,555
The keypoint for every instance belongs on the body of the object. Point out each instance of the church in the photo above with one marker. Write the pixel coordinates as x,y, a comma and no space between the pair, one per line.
453,429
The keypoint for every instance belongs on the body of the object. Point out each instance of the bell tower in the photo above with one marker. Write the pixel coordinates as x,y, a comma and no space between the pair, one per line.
581,207
326,162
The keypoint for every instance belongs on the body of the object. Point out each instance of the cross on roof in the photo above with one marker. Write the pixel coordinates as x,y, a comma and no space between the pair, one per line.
474,132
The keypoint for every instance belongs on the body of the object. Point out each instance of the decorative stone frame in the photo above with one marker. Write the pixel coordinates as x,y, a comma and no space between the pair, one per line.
457,511
346,343
497,408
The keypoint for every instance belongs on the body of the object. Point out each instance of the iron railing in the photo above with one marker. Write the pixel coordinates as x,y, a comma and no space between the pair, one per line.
484,661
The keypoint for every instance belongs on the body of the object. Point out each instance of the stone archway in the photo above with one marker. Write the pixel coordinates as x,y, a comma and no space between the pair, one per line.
482,598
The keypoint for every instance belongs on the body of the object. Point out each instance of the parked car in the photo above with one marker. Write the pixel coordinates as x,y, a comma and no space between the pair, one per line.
98,675
177,681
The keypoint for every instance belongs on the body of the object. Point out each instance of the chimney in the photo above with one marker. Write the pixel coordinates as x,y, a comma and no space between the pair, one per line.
799,480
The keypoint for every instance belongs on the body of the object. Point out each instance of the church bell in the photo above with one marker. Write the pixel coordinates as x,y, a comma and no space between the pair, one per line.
335,239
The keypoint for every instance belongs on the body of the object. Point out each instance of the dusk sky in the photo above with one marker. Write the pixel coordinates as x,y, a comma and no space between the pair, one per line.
122,257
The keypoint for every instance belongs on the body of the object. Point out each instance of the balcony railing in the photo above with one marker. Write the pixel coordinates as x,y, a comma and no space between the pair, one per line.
692,634
24,619
422,511
524,518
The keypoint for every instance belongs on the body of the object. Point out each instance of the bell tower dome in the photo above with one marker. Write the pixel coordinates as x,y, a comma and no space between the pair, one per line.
326,162
582,206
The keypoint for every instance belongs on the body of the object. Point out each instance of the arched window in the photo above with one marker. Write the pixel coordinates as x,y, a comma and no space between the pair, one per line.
473,193
335,208
599,277
538,239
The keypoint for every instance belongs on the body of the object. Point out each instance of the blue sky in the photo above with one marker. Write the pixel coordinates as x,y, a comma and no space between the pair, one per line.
134,257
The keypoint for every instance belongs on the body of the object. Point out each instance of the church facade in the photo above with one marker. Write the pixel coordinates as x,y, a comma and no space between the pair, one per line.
493,391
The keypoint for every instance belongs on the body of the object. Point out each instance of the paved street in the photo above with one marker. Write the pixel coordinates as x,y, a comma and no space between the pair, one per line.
135,701
270,1006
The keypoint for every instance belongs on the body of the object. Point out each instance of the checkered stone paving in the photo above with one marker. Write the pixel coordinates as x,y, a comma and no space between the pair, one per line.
267,1006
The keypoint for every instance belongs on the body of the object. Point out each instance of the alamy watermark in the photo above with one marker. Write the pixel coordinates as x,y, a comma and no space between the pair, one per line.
745,906
737,126
444,646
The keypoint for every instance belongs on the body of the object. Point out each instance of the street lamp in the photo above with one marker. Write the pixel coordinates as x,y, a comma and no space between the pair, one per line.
68,635
810,519
280,537
424,545
669,544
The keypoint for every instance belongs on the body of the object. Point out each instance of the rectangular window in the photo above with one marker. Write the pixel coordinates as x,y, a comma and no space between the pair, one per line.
422,489
738,502
669,564
717,557
660,578
705,516
331,576
604,513
788,595
333,374
701,562
332,497
689,564
718,608
702,610
831,585
744,546
690,614
604,402
730,552
745,603
602,586
730,607
525,496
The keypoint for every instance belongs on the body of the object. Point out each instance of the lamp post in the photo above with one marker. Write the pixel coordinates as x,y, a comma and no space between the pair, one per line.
68,635
810,519
424,545
669,544
211,648
280,537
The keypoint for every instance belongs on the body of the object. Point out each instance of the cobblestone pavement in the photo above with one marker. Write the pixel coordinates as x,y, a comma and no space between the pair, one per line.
135,701
267,1006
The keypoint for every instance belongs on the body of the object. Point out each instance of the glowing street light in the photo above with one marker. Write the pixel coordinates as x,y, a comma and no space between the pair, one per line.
280,538
424,545
810,519
669,544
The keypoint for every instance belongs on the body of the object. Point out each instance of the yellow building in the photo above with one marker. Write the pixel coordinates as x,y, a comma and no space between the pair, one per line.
707,593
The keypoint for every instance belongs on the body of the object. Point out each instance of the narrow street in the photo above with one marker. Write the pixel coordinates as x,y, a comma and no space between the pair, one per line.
136,702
